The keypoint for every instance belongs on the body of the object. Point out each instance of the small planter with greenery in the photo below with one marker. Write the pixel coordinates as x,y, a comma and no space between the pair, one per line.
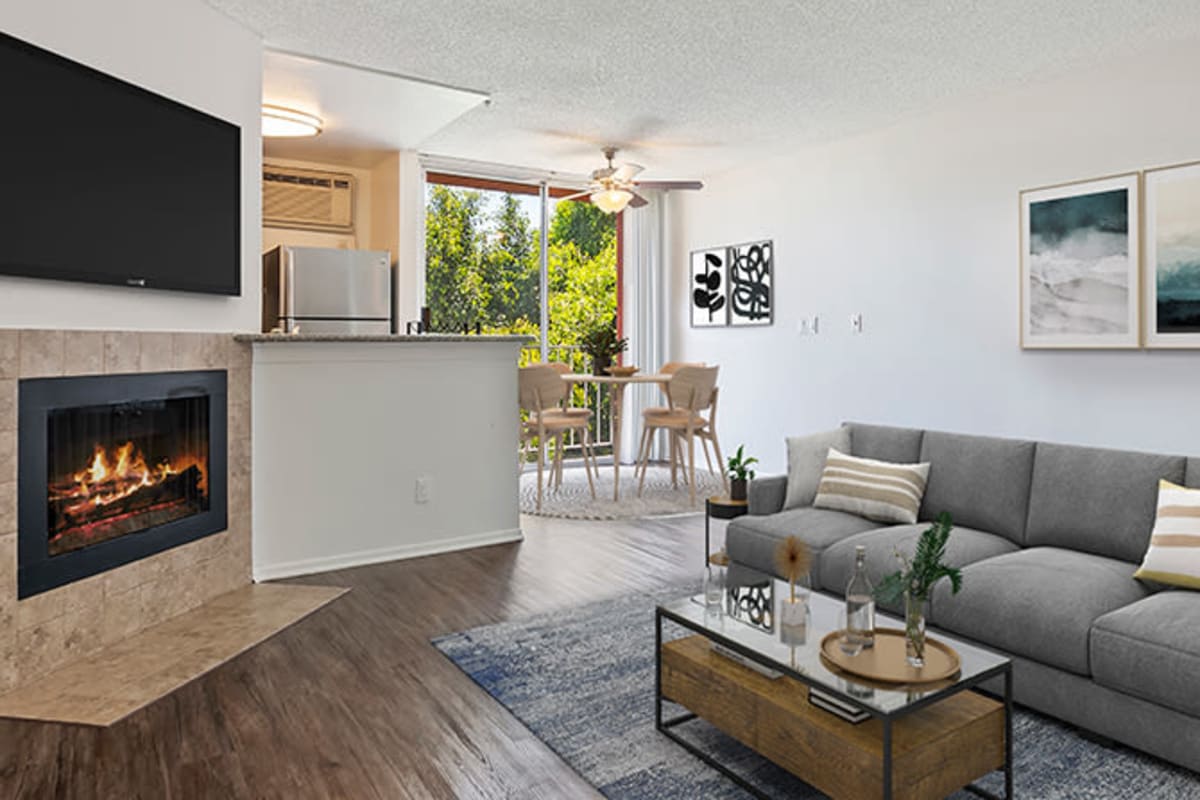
915,581
601,342
739,473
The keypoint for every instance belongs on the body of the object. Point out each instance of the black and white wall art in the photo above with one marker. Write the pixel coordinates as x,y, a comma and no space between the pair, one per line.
732,285
1172,275
708,290
1079,265
751,283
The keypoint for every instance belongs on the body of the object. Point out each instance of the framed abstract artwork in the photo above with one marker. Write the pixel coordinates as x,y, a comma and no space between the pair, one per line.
751,283
1080,251
709,290
1171,281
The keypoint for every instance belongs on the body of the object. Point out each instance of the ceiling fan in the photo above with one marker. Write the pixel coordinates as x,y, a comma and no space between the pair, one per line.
612,187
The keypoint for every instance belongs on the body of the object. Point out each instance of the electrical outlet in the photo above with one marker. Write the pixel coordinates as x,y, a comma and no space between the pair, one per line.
856,323
424,491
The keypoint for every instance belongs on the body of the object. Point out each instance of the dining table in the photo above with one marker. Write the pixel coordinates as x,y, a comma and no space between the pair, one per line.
617,397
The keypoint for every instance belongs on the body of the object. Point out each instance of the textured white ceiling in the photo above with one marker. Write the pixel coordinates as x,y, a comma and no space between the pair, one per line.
694,87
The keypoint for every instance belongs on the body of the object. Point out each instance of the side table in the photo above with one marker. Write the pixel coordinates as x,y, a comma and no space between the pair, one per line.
721,507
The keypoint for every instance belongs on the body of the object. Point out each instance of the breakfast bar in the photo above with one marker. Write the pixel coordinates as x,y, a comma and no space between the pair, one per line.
415,434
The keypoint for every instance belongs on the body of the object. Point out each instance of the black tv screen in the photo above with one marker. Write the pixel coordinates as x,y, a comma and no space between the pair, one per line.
107,182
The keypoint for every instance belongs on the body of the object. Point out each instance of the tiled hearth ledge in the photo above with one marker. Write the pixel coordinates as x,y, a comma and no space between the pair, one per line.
53,629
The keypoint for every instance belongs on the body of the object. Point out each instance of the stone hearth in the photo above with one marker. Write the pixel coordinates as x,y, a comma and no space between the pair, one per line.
49,630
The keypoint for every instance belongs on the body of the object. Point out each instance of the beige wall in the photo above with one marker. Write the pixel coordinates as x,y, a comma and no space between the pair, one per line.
49,629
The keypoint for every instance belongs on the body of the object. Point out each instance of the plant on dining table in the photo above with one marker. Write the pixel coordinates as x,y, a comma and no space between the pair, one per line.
601,342
914,581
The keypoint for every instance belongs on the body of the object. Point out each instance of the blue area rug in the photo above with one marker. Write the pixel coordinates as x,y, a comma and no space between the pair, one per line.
583,682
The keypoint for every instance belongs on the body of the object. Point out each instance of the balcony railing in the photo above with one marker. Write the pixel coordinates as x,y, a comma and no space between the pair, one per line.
592,396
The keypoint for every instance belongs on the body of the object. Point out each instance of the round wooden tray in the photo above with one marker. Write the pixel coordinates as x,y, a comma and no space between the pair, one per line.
886,662
621,372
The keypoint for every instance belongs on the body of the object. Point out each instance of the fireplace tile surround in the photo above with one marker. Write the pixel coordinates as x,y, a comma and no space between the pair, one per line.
53,628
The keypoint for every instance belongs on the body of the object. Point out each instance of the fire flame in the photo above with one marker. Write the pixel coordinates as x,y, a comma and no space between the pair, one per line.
111,477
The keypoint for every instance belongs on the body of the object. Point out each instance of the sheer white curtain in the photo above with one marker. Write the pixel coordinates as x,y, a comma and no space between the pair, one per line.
644,268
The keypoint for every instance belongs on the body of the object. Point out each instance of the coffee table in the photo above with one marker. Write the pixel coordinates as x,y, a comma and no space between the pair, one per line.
921,741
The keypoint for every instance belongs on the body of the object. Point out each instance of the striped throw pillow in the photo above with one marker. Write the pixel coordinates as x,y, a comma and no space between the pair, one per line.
878,490
1174,554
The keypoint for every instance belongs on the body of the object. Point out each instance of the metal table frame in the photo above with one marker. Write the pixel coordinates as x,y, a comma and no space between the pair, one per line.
723,508
886,718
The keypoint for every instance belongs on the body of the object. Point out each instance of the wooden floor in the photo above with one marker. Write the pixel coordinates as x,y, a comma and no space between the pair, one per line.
354,702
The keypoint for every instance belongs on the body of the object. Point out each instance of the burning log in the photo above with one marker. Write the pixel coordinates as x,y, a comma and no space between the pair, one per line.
75,510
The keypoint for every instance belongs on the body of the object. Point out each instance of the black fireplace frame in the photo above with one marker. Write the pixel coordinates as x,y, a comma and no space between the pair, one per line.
37,570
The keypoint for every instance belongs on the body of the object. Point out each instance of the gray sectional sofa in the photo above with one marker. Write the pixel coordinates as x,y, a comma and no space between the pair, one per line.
1048,537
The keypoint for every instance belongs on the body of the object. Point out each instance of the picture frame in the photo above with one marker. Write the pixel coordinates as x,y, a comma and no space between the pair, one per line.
708,290
1080,264
751,279
1171,261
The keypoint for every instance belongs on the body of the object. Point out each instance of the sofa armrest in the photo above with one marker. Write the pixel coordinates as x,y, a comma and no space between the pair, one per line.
766,495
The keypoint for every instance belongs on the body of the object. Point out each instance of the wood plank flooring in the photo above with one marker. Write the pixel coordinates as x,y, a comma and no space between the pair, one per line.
354,702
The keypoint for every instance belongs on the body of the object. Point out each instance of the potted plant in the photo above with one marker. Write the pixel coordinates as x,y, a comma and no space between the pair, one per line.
739,473
914,582
603,345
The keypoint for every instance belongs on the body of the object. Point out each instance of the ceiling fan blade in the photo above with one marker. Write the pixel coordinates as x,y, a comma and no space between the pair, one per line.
626,171
638,201
669,184
576,196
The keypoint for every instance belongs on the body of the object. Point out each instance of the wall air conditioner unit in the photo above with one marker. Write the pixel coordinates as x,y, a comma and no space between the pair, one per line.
308,199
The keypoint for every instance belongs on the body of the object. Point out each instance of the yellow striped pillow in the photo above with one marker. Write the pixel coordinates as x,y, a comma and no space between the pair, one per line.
878,490
1174,554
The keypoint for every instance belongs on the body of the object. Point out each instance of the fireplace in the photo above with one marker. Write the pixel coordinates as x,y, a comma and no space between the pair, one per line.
113,468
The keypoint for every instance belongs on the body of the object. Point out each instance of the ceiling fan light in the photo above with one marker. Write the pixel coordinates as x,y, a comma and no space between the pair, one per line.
280,121
611,201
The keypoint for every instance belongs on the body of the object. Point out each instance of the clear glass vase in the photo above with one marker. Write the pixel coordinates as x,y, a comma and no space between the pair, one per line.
914,629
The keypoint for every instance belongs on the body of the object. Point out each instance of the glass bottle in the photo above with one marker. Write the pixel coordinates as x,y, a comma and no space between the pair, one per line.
860,602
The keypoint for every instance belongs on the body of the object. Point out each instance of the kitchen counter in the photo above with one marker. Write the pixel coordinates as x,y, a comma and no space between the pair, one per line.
365,452
399,338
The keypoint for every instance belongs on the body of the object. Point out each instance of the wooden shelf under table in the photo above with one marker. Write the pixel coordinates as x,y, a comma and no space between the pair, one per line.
935,750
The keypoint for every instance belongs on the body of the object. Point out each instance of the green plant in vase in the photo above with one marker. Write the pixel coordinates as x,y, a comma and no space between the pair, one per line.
600,341
739,473
915,581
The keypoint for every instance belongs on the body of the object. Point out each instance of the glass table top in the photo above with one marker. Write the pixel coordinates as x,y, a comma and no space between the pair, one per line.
749,617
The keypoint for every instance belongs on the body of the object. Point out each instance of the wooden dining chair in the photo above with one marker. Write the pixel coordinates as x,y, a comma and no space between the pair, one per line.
541,390
691,392
675,454
563,369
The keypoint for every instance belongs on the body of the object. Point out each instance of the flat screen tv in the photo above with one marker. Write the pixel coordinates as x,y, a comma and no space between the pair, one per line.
106,182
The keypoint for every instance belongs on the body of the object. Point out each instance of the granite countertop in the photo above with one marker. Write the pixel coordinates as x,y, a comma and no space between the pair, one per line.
424,338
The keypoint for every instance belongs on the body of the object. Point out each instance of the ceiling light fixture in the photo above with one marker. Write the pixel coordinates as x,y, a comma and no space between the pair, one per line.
611,201
280,121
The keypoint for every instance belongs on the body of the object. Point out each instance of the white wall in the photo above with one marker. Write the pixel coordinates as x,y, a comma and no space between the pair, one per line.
916,228
191,53
357,423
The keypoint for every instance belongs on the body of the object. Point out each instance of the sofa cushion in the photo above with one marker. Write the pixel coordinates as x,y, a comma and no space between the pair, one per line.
765,495
752,540
879,490
1038,603
965,546
982,481
1097,501
806,462
1150,650
885,443
1192,477
1173,558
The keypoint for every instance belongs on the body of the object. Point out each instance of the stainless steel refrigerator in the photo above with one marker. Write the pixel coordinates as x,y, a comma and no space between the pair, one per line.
326,290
